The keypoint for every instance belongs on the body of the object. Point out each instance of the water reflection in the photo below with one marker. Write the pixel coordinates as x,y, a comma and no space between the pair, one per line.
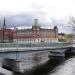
43,69
67,68
39,63
32,60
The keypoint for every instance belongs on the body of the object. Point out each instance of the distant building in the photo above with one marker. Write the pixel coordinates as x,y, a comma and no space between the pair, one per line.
6,35
73,38
63,37
35,34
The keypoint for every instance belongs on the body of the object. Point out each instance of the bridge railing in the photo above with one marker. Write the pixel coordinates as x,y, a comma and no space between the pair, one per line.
9,45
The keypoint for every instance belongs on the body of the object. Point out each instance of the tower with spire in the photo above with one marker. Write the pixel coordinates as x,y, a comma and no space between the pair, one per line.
4,25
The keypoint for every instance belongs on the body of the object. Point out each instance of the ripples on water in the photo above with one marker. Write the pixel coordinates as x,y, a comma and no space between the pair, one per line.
42,69
30,62
5,72
46,65
67,68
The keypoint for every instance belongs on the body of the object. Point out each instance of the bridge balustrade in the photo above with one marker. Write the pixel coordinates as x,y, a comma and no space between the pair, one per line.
9,45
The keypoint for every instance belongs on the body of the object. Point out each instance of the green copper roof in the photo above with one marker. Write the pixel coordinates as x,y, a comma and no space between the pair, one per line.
35,22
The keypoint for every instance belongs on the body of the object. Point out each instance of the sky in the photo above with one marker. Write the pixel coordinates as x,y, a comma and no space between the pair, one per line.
20,13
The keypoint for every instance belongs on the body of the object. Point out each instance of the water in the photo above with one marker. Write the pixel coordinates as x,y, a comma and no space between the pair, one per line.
5,72
67,68
38,63
32,59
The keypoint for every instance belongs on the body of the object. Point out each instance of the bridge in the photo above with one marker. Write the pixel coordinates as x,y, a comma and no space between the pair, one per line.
16,52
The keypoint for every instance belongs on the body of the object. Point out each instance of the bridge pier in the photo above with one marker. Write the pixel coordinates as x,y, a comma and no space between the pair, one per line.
10,64
60,55
15,65
25,61
70,52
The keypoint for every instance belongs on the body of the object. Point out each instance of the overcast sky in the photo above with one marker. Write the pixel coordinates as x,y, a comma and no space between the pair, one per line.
49,12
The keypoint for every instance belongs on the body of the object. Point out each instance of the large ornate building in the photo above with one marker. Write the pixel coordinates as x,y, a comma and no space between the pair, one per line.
35,34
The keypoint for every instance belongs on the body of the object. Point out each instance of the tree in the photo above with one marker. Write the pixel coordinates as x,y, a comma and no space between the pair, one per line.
72,22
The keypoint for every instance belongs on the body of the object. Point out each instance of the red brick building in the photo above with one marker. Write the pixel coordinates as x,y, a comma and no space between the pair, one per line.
6,35
32,35
35,34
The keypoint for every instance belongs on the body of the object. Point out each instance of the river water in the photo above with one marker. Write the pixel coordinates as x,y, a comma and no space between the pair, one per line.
67,68
38,63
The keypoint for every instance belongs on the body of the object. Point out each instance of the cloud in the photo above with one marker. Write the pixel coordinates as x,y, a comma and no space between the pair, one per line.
49,12
26,20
